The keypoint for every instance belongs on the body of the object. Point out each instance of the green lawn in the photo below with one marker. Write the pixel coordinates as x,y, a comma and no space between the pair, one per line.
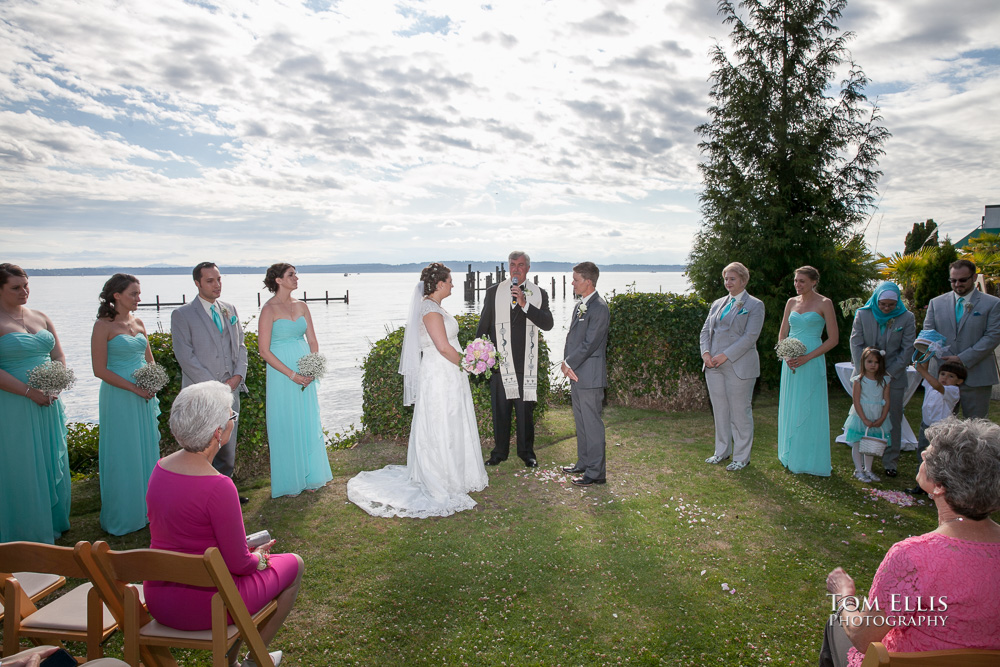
544,573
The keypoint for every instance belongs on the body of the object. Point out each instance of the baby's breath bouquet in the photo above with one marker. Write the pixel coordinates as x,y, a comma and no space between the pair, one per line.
51,378
151,377
312,365
789,348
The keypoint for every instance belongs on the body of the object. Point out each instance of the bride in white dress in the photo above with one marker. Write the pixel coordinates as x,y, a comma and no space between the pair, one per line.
444,462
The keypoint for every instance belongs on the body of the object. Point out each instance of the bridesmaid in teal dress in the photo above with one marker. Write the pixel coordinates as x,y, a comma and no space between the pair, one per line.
803,410
34,465
130,436
299,461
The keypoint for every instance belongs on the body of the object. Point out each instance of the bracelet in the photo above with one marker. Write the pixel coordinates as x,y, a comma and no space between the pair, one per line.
26,392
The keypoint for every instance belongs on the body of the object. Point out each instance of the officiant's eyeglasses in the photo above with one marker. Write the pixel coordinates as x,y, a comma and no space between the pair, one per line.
234,416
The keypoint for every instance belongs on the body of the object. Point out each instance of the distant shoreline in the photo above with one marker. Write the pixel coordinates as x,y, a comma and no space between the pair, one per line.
457,266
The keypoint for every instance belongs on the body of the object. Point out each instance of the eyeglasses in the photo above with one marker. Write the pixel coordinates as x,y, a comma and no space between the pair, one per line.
234,416
960,280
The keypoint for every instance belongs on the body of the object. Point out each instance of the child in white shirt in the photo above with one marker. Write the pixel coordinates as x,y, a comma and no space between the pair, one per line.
941,395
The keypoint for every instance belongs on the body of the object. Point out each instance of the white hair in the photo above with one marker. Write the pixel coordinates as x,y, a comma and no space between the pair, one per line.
519,253
198,411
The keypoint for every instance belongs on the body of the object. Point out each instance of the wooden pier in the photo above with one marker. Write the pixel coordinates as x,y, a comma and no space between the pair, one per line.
472,278
326,298
158,304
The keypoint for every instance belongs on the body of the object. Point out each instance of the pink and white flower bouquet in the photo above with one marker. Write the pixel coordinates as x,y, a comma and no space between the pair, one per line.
480,356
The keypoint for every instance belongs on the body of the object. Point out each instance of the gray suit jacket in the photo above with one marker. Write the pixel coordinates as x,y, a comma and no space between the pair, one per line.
897,342
587,342
974,338
735,335
200,349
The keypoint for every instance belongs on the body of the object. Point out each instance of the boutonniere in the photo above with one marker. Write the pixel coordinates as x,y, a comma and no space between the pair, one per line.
225,313
581,310
527,290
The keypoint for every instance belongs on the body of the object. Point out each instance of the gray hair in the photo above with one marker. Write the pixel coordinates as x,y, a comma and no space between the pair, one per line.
518,253
964,458
198,411
740,270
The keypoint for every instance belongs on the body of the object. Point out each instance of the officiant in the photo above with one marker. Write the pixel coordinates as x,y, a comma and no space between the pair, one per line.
514,311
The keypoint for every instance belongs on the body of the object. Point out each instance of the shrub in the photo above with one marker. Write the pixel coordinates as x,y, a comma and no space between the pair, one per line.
654,353
82,442
252,456
383,413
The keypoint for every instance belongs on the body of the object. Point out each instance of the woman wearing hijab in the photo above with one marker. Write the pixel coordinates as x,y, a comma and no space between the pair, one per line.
885,324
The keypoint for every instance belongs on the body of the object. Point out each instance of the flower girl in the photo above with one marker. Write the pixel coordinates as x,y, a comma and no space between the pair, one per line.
869,412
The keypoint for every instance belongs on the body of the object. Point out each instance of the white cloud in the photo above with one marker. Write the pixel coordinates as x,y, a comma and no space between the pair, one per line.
375,130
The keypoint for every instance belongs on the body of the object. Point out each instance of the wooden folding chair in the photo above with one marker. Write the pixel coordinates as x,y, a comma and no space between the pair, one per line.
76,616
36,585
145,635
878,656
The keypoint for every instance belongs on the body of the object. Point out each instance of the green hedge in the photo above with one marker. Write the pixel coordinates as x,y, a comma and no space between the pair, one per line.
654,353
252,456
384,415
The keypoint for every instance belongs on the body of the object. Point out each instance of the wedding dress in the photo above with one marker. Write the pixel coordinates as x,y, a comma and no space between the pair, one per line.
444,461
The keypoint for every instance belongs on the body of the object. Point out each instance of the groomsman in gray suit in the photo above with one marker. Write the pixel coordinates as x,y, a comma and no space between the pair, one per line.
729,350
970,321
208,344
584,363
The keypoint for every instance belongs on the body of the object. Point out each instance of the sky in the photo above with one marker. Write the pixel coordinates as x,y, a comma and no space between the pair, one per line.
142,133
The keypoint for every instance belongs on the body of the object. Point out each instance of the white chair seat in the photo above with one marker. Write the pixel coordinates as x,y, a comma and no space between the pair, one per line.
33,583
156,629
70,612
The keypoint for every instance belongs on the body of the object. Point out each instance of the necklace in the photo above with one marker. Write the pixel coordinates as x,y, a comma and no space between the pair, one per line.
959,518
19,321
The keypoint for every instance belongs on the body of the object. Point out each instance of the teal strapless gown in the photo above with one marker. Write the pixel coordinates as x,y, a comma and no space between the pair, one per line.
130,440
294,431
803,409
34,465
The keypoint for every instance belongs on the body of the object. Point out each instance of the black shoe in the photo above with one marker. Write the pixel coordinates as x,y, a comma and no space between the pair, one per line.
494,461
244,500
530,463
915,491
890,472
587,481
573,470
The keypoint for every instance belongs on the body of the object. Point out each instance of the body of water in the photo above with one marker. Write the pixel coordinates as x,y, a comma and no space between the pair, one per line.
379,303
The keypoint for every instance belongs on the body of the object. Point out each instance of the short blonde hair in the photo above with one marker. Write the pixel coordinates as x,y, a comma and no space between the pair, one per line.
740,270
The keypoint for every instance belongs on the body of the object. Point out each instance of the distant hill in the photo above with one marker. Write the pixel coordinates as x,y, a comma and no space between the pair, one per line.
415,267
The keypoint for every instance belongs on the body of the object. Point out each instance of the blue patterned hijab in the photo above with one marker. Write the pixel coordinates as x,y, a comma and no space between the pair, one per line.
877,313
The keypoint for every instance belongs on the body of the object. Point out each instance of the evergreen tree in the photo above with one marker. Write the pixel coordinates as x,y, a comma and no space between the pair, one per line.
934,275
923,234
789,172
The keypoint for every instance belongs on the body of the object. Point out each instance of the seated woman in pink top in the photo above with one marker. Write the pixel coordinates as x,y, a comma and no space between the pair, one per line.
940,590
193,507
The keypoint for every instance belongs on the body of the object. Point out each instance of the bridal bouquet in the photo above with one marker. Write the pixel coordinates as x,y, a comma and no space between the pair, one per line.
480,356
789,348
151,377
312,365
51,378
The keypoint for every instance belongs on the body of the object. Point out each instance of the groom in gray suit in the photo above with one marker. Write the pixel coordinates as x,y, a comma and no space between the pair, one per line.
208,344
970,322
584,363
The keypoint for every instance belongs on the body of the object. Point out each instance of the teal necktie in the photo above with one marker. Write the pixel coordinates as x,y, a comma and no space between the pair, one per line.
216,318
959,309
725,311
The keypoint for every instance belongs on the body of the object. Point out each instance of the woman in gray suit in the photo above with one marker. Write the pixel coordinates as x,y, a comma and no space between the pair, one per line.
885,324
729,350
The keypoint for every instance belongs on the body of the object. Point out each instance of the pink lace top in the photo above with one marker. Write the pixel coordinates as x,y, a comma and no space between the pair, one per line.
963,575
